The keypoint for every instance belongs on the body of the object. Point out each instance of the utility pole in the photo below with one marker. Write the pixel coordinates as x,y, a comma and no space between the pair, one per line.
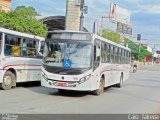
94,27
82,15
139,48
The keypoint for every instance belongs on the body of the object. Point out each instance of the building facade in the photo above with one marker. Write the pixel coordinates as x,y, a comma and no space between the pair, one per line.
5,5
73,15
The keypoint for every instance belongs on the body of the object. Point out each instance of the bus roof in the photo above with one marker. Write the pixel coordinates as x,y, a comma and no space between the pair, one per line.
3,30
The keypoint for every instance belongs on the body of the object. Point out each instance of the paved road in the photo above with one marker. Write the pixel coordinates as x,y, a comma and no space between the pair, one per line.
140,94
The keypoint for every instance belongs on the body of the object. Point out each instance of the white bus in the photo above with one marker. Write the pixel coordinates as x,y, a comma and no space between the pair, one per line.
83,62
19,58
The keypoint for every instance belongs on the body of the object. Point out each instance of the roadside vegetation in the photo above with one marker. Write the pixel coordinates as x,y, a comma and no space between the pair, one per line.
23,19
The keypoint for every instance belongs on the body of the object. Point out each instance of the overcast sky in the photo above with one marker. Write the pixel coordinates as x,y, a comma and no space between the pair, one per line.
145,15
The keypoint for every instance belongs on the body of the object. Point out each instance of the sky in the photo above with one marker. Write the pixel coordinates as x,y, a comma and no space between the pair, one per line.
145,14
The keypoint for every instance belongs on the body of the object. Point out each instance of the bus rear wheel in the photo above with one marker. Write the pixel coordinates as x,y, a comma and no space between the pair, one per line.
119,85
100,90
8,80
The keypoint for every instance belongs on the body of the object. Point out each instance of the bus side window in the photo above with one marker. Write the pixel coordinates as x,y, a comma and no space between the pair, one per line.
12,46
108,53
123,56
119,55
16,48
24,48
31,48
112,53
116,50
8,48
126,57
105,52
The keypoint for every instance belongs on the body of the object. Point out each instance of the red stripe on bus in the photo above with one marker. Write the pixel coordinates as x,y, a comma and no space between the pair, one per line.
20,65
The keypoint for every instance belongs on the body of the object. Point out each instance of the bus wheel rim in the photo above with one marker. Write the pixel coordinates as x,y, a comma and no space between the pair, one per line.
7,80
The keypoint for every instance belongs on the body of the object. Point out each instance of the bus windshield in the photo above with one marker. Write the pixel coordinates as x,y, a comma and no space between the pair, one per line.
68,55
0,41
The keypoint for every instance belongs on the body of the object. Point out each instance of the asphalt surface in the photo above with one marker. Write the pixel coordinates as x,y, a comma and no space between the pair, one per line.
140,94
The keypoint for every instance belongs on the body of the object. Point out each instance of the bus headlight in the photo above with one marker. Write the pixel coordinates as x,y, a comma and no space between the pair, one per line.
84,79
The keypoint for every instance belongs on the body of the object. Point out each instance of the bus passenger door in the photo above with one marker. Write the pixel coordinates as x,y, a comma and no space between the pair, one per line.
33,69
106,67
33,62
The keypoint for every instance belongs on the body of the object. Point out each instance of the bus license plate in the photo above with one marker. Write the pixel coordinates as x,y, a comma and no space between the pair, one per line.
62,84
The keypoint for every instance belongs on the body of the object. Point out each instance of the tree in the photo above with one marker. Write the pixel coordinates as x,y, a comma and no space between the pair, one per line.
113,36
23,19
143,53
26,11
137,51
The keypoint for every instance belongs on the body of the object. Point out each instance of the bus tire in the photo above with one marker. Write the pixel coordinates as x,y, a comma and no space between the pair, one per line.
100,90
119,85
8,80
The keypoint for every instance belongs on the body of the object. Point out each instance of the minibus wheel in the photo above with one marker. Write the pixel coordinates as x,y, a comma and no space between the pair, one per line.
100,90
8,80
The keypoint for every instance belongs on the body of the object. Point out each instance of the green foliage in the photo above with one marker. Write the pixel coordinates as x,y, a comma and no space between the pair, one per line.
28,12
137,50
23,19
143,53
113,36
134,47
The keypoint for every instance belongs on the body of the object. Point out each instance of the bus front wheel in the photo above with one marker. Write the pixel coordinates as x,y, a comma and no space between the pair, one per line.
8,80
100,90
61,91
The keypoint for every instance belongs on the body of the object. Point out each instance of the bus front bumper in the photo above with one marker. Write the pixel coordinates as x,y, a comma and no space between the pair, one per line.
86,86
